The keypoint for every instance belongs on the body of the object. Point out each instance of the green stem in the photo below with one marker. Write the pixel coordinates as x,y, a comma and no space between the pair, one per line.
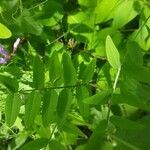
116,79
8,128
21,6
59,87
114,88
38,5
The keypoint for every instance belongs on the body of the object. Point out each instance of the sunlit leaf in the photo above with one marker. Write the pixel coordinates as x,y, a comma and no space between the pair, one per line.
19,140
112,53
104,10
126,13
87,3
4,32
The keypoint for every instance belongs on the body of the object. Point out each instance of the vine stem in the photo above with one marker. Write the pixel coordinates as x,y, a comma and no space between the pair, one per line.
116,79
8,128
38,5
60,87
114,88
21,6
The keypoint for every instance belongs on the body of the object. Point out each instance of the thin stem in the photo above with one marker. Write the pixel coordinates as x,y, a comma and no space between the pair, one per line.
21,6
92,55
38,5
64,34
116,79
8,128
114,88
60,87
52,132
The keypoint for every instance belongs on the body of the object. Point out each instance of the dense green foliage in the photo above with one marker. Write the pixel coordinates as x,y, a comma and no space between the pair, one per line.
80,77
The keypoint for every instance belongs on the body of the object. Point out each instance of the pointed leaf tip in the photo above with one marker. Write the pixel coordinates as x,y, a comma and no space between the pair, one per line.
112,53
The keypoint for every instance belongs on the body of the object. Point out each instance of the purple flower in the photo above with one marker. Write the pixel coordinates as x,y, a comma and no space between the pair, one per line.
3,61
5,55
3,52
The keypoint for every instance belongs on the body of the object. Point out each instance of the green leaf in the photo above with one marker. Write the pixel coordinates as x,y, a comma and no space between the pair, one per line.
51,17
55,145
140,36
103,10
83,28
97,140
38,73
126,124
112,53
148,30
28,24
88,72
32,108
63,106
139,139
87,3
130,100
31,50
134,53
99,98
56,12
82,93
84,18
9,82
19,140
36,144
55,70
132,87
139,73
12,108
126,13
49,107
72,129
70,76
5,33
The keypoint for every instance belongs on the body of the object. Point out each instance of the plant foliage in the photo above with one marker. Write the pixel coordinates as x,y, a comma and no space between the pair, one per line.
75,75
